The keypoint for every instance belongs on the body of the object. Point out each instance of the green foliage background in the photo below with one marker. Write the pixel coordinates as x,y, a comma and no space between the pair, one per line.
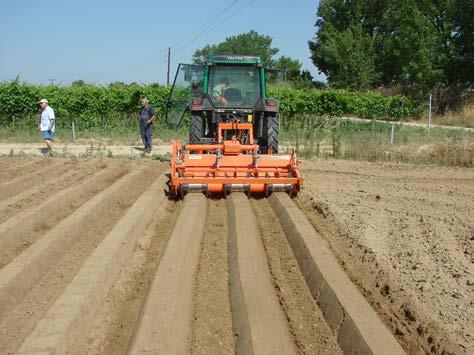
413,47
98,106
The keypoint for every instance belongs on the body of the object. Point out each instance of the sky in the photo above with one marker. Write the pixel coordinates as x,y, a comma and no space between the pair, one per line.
103,41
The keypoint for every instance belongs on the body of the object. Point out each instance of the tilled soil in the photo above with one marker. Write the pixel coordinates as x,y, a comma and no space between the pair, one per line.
59,219
310,332
20,320
38,191
85,242
405,235
212,319
115,322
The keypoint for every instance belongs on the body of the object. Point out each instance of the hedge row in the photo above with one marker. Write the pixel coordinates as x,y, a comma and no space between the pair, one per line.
338,103
91,105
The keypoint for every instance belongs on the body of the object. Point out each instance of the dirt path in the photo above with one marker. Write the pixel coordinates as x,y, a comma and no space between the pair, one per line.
78,150
411,124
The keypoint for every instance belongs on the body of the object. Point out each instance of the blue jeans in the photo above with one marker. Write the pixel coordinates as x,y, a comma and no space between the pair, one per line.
147,134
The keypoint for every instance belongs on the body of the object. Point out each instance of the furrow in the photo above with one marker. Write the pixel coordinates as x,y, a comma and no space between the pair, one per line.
165,324
258,320
17,277
22,230
66,325
358,328
37,194
16,185
64,251
212,319
308,328
113,326
14,167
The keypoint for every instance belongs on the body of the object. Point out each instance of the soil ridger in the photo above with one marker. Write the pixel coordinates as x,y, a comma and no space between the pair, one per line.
233,135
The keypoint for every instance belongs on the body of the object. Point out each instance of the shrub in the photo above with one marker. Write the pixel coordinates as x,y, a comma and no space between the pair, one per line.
96,105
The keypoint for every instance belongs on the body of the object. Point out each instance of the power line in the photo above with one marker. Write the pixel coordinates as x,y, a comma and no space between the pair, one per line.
132,67
208,29
204,29
232,15
203,26
211,28
155,56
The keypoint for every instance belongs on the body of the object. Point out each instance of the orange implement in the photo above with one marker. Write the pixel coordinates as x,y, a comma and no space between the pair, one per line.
218,169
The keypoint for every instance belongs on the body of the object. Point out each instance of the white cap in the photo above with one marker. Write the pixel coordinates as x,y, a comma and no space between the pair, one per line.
43,100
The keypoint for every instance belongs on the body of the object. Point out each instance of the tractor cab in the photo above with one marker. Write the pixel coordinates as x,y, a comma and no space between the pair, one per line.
227,88
235,85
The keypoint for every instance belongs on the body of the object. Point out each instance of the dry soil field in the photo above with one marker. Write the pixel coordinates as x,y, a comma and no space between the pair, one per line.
95,258
405,235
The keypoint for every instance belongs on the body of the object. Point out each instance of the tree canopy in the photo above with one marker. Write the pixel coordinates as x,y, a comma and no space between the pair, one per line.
250,43
415,46
255,44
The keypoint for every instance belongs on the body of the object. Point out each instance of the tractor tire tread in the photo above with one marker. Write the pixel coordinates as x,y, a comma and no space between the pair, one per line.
196,129
273,131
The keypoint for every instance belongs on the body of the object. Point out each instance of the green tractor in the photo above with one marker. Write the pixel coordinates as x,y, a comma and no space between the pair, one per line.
227,88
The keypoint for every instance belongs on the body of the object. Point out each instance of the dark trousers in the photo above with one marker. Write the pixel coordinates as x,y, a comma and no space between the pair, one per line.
147,134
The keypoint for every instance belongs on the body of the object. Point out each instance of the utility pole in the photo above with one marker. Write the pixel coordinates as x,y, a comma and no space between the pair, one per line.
168,72
51,81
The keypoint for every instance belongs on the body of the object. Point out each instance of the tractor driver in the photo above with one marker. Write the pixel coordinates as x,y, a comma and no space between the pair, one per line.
219,89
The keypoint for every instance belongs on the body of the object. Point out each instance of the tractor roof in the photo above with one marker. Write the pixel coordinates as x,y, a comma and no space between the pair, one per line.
233,59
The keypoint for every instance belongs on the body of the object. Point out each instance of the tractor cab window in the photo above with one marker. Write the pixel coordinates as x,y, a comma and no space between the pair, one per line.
234,86
188,83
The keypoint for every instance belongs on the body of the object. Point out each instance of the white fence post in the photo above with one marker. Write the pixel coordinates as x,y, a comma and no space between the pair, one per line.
429,114
392,132
73,131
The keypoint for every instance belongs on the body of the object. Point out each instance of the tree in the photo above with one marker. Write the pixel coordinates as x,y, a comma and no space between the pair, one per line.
453,27
463,39
290,69
417,46
79,82
250,43
255,44
347,58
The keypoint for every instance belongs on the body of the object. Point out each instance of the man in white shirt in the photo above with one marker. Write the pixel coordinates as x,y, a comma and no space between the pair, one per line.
46,124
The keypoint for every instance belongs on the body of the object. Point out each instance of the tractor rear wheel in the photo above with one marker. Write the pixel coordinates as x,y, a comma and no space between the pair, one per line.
196,129
273,130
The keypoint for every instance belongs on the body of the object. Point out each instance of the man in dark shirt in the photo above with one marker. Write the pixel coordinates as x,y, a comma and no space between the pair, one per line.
147,116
